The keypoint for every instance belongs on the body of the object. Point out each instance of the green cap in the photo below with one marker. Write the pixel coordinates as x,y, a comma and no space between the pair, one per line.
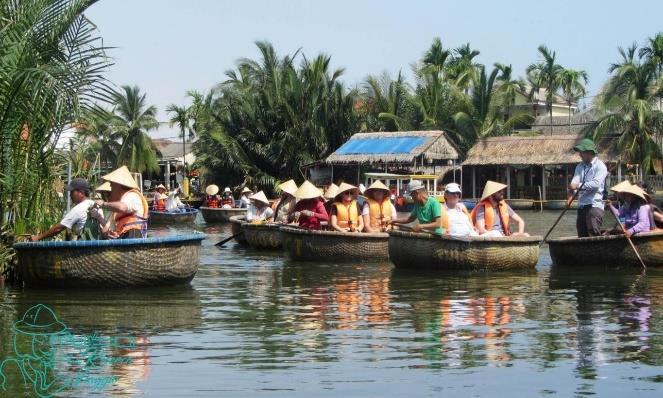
586,145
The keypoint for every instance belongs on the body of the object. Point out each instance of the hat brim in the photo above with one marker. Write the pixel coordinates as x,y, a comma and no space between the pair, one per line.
52,328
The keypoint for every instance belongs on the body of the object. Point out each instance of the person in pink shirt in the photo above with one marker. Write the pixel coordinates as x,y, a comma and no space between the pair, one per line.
309,211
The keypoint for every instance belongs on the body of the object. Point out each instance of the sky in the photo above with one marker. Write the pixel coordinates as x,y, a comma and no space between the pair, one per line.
168,47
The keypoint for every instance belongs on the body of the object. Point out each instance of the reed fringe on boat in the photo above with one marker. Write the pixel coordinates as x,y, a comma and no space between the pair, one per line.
332,246
422,250
212,214
236,228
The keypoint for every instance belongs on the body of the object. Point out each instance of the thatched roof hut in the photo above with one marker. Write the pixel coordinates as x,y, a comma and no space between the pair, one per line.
560,124
537,150
403,147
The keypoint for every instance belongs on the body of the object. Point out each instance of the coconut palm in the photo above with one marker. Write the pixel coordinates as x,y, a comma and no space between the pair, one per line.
436,56
133,118
387,103
572,82
508,87
180,116
462,68
547,73
629,113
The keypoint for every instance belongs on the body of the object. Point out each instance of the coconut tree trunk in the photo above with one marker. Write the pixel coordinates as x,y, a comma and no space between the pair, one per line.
569,117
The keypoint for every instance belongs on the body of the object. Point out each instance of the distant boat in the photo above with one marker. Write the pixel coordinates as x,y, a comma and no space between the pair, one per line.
167,217
217,214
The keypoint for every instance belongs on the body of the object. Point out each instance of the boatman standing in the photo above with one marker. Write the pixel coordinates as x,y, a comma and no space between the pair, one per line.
589,180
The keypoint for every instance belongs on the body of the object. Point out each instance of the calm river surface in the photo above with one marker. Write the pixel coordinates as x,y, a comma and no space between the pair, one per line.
256,324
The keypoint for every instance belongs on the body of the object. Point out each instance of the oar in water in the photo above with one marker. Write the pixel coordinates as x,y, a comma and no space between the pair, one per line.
628,238
568,206
223,242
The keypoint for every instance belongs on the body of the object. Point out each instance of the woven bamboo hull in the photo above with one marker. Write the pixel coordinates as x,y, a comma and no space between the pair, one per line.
559,204
236,228
302,244
521,204
262,237
110,263
421,250
608,251
211,215
165,217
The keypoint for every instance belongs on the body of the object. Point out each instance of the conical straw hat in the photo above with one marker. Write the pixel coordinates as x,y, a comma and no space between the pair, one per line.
621,186
105,187
635,190
331,191
344,187
377,184
491,188
307,191
246,189
289,186
260,197
160,186
121,176
212,189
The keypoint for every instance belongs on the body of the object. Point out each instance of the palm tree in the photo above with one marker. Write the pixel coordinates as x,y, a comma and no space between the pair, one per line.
180,116
436,56
133,118
572,83
462,68
387,103
629,115
547,73
508,87
96,128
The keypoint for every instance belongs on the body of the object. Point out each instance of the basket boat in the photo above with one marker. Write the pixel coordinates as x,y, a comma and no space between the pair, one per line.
608,251
304,244
167,217
521,204
155,261
422,250
236,228
214,214
193,202
559,204
262,236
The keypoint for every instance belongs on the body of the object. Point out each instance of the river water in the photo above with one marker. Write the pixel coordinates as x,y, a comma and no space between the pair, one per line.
256,324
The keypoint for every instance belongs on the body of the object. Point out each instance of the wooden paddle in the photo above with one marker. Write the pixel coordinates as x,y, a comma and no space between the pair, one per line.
223,242
628,238
568,206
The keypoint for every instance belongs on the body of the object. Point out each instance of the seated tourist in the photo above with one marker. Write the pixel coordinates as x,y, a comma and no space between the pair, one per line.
329,195
309,211
378,211
286,202
227,199
345,213
244,200
491,216
159,203
174,203
634,214
259,209
128,204
455,217
212,199
426,210
76,219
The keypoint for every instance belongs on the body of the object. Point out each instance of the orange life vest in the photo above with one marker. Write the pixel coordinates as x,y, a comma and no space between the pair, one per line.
227,200
445,216
347,216
159,205
379,213
212,201
489,215
128,221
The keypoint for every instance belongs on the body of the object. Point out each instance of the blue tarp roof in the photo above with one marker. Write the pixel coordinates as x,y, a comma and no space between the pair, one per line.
368,146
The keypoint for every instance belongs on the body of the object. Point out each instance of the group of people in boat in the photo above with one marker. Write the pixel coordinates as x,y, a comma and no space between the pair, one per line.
121,212
344,208
226,200
165,201
631,204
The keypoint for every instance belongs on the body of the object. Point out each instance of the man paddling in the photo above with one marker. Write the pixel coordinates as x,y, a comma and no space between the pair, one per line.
589,179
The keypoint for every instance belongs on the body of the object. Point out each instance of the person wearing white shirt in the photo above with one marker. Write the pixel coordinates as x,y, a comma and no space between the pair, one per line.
589,180
259,209
173,203
455,217
75,219
244,200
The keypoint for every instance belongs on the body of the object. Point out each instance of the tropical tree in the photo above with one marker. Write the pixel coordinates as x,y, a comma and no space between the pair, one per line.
180,116
462,68
572,82
653,53
627,103
547,73
132,119
508,87
96,128
387,104
52,66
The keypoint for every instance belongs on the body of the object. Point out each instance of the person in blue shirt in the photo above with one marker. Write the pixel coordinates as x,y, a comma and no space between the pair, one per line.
589,179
